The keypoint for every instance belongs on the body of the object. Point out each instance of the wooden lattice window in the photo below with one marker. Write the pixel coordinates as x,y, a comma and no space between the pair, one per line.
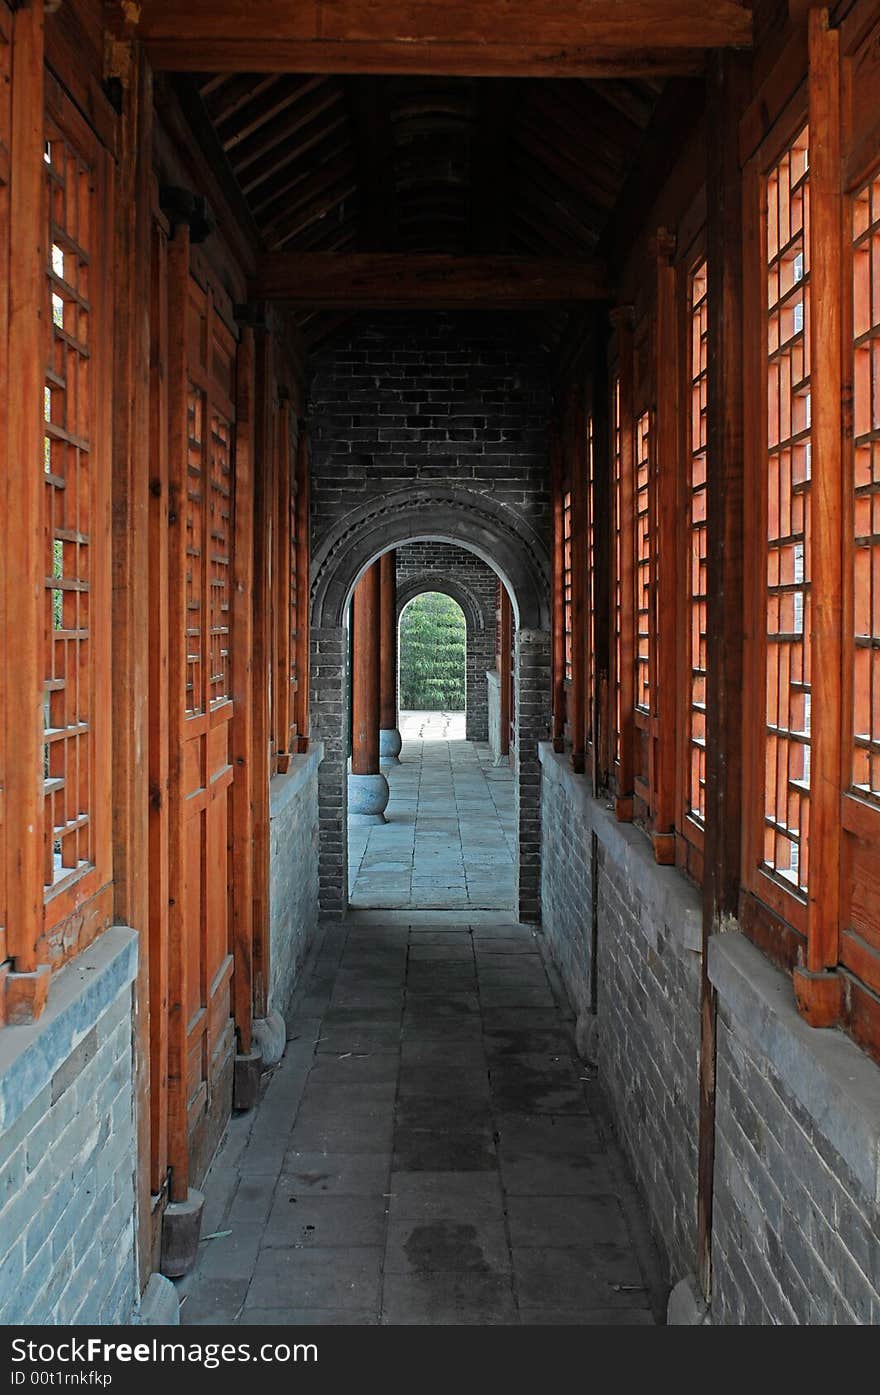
865,554
566,582
617,482
589,655
219,555
195,608
787,601
71,694
695,774
644,578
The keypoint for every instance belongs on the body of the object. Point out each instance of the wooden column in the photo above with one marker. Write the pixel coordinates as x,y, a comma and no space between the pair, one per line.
301,700
665,485
178,441
281,695
25,487
726,90
558,596
264,496
576,447
365,679
621,318
242,693
603,561
818,988
388,642
131,594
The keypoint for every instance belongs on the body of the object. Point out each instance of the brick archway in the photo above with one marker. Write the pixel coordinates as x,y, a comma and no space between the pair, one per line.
477,524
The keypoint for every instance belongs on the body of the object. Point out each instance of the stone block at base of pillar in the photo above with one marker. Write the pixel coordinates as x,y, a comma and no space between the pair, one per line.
269,1036
687,1307
390,743
586,1037
246,1079
367,798
181,1229
159,1305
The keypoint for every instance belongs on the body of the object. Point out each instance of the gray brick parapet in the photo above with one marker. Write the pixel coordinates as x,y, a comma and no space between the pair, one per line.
293,872
67,1147
796,1235
648,989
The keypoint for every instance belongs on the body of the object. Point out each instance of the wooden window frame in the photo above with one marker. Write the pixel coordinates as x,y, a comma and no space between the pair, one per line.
783,901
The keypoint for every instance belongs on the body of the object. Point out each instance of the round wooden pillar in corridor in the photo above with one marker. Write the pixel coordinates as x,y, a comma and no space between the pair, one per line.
367,786
389,735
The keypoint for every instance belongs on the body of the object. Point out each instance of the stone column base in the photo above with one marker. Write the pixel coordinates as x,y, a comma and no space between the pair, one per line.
181,1229
390,743
367,799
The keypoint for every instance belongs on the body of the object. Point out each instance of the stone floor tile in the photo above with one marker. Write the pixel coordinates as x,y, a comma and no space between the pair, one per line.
338,1277
537,1221
309,1220
447,1243
429,1195
334,1174
603,1276
307,1317
448,1299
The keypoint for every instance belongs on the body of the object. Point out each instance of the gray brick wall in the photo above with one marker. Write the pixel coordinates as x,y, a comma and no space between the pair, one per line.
648,991
431,565
293,874
441,420
796,1213
67,1148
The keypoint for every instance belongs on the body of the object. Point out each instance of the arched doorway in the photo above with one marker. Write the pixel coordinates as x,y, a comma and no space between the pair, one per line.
432,648
517,554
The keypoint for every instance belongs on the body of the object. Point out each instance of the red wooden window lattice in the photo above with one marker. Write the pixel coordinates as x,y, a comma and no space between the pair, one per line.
695,795
865,757
644,563
787,602
618,559
69,709
566,582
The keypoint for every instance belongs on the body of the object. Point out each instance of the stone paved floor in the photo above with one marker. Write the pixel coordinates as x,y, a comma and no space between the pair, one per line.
449,839
430,1150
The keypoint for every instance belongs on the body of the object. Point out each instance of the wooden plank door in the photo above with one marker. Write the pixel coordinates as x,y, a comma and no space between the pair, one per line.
202,351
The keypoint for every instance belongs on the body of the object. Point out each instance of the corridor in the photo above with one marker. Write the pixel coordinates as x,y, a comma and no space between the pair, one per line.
449,837
429,1150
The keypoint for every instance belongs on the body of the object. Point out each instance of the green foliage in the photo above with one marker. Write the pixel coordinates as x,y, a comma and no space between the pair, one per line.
433,649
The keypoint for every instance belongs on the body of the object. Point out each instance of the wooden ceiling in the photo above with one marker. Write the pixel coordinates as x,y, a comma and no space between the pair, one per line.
422,164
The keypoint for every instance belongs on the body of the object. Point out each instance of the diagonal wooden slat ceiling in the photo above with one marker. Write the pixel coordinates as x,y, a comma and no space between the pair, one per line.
428,164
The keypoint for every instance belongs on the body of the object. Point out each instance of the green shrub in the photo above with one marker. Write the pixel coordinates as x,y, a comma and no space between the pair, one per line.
433,649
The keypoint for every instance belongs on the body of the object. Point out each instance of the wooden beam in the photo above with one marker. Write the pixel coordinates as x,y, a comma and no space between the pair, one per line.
586,38
376,280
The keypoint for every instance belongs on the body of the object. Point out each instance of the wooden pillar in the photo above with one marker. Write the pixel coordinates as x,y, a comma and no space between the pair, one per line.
665,485
621,318
365,680
558,589
281,695
389,736
603,584
178,440
726,90
24,484
576,446
132,718
301,700
264,496
818,987
242,693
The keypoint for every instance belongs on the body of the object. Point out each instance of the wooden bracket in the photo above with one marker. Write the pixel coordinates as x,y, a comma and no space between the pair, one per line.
662,245
819,995
182,206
